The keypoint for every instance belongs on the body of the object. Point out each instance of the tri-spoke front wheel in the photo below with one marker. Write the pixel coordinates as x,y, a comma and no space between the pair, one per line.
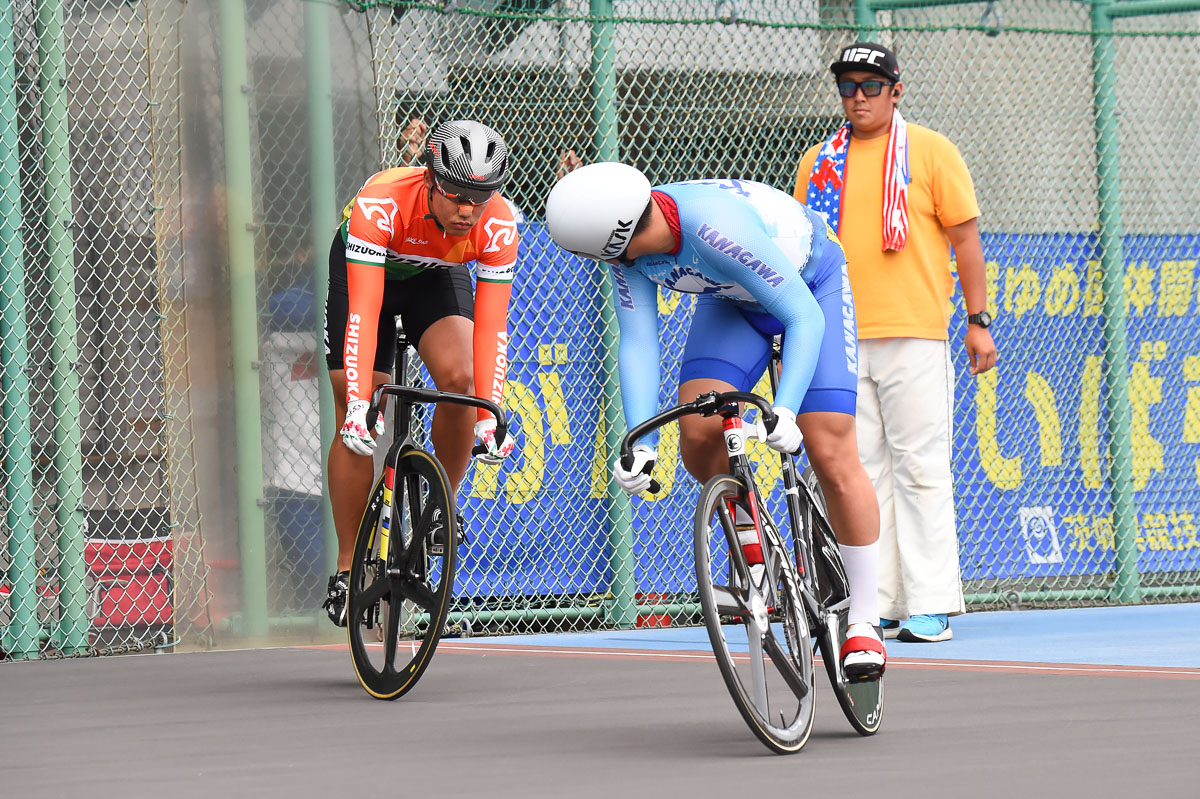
401,580
768,667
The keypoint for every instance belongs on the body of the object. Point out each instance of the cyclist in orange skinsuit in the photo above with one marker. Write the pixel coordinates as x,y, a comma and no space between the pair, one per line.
401,251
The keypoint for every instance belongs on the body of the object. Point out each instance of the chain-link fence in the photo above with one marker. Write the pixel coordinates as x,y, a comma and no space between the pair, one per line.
101,546
1075,460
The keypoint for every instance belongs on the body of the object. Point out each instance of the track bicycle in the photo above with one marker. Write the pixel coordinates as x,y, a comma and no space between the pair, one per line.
796,602
405,553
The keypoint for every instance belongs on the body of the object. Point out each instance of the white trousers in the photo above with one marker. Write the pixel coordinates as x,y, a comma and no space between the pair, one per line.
905,426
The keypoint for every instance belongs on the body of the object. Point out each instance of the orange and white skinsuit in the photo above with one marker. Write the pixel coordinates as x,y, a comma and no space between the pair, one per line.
390,235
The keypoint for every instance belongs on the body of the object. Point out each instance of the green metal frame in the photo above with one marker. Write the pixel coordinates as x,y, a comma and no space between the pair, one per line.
1127,587
621,608
322,202
239,193
20,637
72,623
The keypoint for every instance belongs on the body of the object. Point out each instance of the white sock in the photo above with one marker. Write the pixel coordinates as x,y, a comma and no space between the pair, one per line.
748,538
862,571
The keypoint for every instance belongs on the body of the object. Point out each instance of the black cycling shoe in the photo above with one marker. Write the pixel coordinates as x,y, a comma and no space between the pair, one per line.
335,603
436,537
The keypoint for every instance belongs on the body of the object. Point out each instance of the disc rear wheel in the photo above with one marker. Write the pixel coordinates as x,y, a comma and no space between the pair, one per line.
401,586
861,700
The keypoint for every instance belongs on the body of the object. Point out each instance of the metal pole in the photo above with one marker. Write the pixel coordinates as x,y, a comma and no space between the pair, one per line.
621,607
1112,260
1145,8
235,102
20,638
892,5
322,188
864,18
64,350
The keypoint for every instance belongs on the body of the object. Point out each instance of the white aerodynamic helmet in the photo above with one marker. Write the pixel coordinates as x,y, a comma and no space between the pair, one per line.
593,210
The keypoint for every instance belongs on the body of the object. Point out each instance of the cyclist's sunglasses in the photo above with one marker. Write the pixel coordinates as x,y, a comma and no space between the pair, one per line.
462,195
870,88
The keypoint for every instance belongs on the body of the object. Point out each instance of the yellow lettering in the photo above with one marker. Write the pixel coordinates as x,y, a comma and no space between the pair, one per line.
1175,280
1040,395
1191,410
485,479
668,461
1089,422
601,468
1004,472
1093,294
1062,292
668,301
1139,288
993,284
1023,289
524,484
1144,391
768,467
556,408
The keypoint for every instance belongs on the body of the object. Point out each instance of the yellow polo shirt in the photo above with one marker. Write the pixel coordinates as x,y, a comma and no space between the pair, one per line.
902,293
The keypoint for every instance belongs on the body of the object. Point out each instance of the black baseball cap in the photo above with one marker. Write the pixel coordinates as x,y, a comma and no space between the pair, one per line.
867,57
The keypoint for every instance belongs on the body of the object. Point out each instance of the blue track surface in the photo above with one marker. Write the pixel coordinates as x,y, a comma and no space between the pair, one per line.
1144,635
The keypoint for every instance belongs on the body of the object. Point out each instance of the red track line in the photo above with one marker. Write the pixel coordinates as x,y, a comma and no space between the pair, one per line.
693,656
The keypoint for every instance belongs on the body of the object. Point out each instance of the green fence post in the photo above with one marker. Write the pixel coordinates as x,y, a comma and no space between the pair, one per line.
864,18
1143,8
322,188
20,638
239,193
1112,260
64,349
623,604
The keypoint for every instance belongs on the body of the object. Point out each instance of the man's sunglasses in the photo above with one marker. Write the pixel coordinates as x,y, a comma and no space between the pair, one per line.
461,195
870,88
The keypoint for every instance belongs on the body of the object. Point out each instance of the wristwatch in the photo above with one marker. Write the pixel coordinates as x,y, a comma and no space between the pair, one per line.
983,319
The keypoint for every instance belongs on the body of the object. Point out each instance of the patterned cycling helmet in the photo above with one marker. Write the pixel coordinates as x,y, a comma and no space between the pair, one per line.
467,155
593,210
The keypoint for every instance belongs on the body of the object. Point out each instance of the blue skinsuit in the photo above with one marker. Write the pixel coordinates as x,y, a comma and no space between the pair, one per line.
764,264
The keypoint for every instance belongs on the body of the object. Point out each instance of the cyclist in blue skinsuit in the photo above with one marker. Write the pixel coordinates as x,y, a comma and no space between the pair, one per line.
764,265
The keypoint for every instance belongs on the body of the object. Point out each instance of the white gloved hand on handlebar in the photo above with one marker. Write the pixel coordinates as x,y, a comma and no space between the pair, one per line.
485,431
354,431
636,478
786,436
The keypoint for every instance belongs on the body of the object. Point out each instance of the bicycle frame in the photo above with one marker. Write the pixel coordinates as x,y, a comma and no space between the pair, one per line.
407,398
828,588
821,576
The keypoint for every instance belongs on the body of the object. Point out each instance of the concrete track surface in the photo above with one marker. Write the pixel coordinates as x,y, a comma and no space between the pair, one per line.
1107,706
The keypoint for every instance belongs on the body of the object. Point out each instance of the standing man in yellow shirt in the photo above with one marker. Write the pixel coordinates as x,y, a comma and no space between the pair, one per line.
900,196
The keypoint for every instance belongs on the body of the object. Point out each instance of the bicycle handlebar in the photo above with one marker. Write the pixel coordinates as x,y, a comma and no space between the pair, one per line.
415,394
705,405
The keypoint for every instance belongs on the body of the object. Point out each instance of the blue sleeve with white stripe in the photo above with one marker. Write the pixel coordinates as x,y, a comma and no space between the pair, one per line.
636,300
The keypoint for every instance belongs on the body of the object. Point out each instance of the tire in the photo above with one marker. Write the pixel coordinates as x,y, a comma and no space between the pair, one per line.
399,599
774,687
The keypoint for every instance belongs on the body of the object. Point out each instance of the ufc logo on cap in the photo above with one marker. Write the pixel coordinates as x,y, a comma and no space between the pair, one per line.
857,54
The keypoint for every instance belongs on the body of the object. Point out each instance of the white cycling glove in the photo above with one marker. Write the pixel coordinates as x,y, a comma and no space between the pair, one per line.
786,437
485,431
636,478
354,430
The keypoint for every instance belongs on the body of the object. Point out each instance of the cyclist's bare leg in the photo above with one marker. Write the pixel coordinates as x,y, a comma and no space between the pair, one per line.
447,351
701,442
350,475
832,447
